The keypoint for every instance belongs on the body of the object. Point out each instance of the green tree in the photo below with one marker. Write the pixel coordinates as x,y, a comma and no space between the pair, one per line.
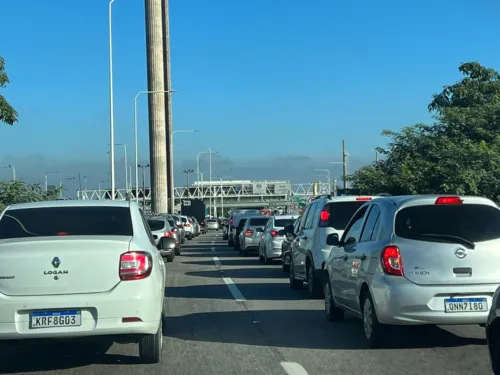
20,192
459,154
7,113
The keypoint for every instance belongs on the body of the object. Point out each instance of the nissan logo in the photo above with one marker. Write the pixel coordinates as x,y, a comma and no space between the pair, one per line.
461,253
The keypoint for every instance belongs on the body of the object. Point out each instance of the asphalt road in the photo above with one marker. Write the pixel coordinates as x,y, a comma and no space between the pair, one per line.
232,315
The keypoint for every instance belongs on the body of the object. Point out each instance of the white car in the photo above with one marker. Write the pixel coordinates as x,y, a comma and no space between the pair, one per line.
71,269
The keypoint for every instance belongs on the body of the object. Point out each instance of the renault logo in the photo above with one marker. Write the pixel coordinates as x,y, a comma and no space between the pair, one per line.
461,253
56,262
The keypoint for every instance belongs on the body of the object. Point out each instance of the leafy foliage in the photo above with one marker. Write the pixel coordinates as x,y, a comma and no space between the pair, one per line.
20,192
7,113
458,154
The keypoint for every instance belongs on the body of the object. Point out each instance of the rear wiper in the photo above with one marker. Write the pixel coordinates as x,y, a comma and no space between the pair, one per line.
469,244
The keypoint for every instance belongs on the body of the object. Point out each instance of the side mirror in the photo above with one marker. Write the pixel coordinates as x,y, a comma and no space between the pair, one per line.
259,230
333,239
155,236
166,243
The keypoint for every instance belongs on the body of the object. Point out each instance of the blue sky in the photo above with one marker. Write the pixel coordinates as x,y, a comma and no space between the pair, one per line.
261,79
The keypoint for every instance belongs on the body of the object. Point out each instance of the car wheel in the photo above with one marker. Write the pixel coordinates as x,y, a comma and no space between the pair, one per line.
314,287
177,251
170,258
284,267
333,313
266,259
294,283
372,328
244,252
150,346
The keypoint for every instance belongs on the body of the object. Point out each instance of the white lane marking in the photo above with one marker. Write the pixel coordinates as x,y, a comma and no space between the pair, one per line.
217,262
234,290
293,368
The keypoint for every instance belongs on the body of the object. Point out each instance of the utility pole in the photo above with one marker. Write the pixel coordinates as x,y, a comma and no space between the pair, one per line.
156,107
168,104
376,156
144,186
187,172
344,164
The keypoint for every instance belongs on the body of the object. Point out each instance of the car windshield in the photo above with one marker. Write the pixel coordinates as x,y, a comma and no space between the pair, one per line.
155,225
66,221
472,222
341,213
259,221
283,222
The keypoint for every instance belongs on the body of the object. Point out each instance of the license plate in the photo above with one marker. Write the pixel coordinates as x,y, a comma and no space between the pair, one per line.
455,305
50,319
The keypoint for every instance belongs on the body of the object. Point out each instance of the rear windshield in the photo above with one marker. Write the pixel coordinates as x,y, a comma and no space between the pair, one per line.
259,222
341,213
473,222
283,222
66,221
184,220
155,225
211,220
171,223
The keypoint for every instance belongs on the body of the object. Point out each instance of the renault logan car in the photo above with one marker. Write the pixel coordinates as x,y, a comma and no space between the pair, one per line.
72,269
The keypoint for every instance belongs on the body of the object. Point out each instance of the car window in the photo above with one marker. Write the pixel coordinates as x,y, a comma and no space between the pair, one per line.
355,226
473,222
66,221
148,231
171,223
156,225
242,223
341,213
283,222
310,216
259,221
304,218
371,221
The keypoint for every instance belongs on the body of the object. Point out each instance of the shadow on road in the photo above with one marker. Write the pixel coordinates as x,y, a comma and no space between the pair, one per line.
298,329
242,273
227,262
34,357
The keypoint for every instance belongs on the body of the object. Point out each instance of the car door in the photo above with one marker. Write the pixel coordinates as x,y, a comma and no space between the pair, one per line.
358,256
299,263
346,247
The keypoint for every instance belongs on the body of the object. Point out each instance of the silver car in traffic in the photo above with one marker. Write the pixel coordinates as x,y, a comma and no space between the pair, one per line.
251,234
212,224
413,260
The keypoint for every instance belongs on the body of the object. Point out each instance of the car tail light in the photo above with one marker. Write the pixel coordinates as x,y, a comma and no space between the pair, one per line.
324,217
449,200
363,199
248,233
274,233
135,265
131,320
167,234
231,220
187,225
174,230
62,233
391,261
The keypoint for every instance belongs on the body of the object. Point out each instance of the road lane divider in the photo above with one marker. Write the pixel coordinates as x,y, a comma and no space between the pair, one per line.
234,290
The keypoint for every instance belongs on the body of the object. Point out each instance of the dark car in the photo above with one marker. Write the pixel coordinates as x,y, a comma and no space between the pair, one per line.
493,333
290,232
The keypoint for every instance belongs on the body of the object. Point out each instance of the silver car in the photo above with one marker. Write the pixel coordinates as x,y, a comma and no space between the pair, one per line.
188,229
413,260
250,235
212,224
161,228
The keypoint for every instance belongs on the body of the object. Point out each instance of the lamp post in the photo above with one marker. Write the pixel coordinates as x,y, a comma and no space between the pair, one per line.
172,188
198,165
329,178
143,184
111,102
187,172
136,146
222,194
126,164
47,178
13,171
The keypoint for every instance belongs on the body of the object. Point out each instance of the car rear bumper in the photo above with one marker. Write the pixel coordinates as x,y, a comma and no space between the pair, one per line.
101,313
400,302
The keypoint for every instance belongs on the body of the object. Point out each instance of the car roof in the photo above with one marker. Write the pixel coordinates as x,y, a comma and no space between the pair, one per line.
72,203
286,216
257,217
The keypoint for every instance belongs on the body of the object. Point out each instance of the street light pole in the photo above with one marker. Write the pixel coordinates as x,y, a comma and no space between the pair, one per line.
13,171
210,174
143,184
111,102
222,195
187,172
198,163
47,179
136,139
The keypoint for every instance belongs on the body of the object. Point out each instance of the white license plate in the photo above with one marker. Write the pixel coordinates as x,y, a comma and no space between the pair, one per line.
50,319
456,305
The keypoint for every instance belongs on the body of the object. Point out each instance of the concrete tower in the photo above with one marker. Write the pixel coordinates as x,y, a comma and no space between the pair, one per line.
156,106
